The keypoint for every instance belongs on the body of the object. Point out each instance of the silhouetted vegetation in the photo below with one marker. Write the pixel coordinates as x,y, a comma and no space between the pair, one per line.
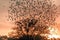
32,17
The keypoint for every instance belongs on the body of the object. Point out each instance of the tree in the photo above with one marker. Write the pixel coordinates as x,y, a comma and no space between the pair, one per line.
32,17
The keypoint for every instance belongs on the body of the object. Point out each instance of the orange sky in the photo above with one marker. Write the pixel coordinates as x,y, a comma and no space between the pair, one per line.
5,26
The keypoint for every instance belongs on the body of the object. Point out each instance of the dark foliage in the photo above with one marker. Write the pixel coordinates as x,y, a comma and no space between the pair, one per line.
26,37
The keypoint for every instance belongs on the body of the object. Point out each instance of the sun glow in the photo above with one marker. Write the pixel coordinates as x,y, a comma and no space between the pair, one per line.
53,33
53,36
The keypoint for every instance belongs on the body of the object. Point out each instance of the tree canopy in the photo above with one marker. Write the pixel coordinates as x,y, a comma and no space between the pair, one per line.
32,17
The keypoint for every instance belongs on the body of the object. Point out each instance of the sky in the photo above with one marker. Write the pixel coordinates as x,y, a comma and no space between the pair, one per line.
5,26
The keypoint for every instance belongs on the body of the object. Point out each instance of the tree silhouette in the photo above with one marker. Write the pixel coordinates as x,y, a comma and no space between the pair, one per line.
32,17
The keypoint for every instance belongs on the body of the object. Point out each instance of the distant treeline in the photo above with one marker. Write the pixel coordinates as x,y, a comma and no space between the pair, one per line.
28,38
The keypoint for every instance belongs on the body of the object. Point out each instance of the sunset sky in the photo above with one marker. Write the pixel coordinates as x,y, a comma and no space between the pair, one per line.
5,26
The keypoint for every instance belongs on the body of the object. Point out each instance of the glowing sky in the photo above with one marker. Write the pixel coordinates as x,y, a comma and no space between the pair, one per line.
5,26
